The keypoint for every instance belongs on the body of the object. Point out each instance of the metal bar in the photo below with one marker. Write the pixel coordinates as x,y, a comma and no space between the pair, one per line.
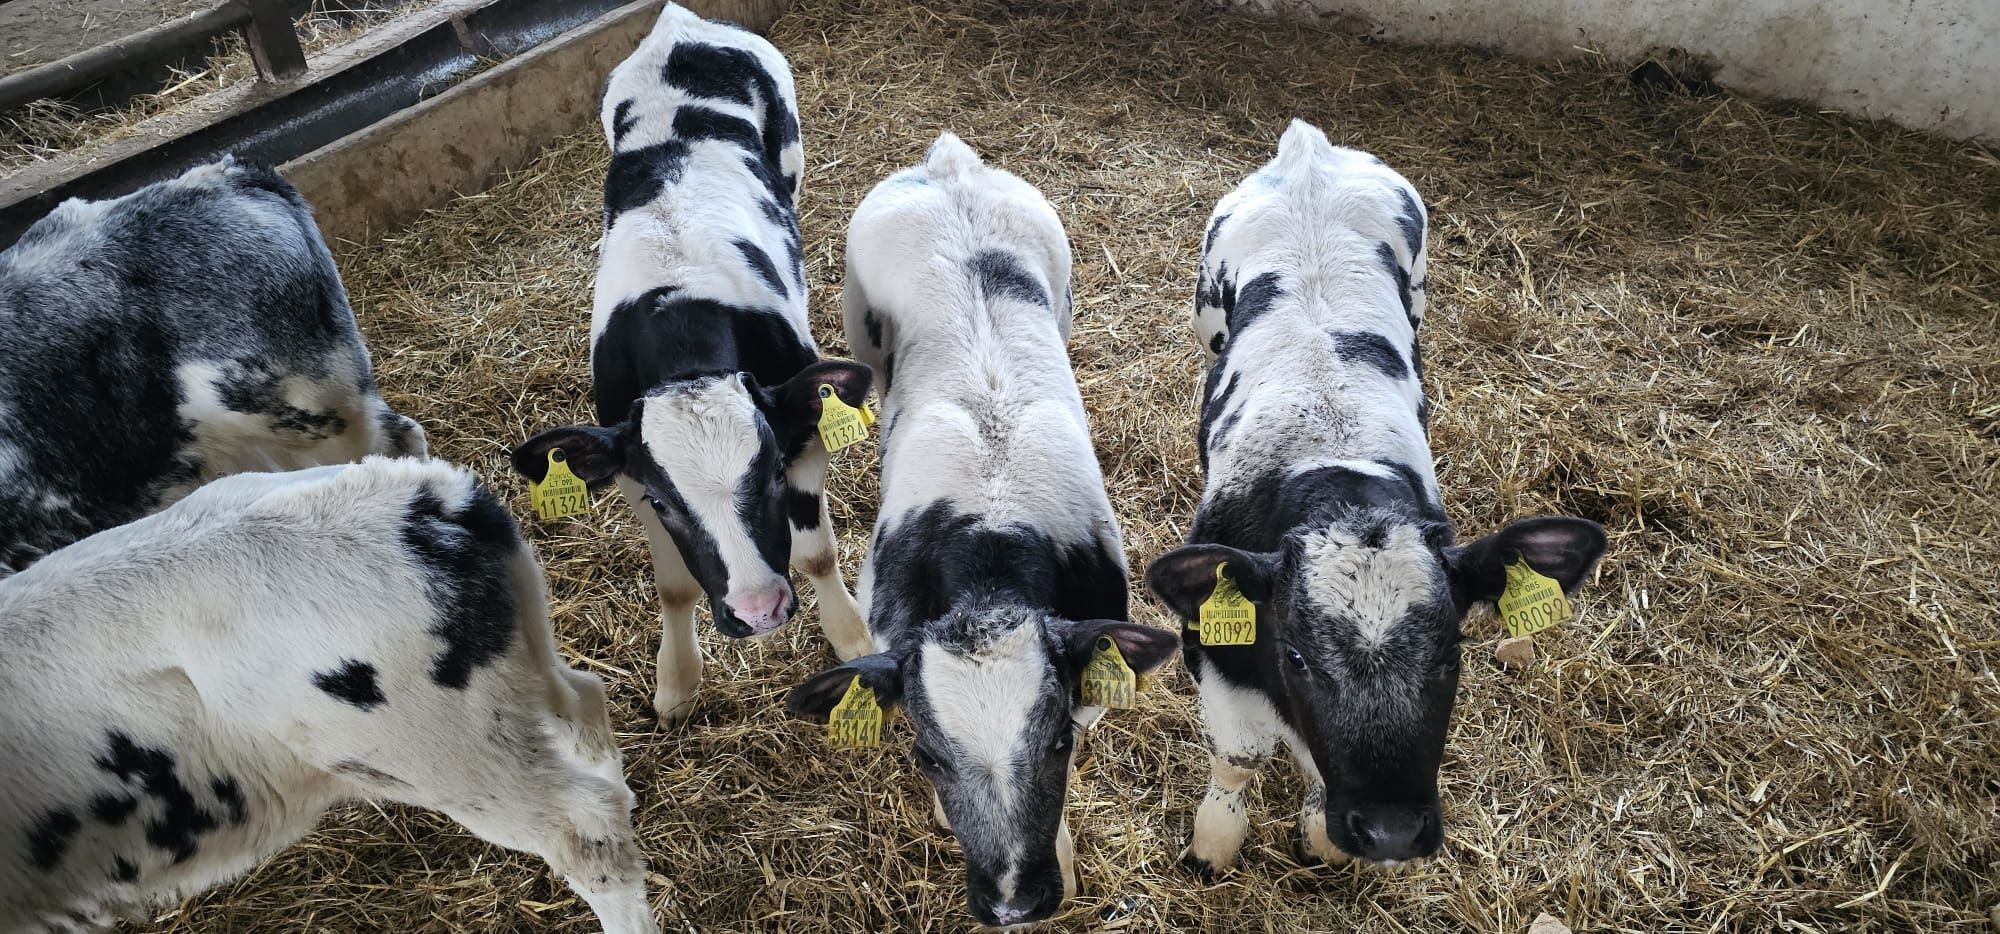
274,43
92,65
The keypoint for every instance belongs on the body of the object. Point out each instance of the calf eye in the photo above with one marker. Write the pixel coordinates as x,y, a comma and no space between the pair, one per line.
927,762
1293,658
658,506
1065,738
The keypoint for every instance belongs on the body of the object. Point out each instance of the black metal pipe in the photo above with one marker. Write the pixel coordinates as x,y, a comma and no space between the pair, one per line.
92,65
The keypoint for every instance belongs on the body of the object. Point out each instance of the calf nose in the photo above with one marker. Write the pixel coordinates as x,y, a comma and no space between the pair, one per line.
1394,833
763,610
1010,914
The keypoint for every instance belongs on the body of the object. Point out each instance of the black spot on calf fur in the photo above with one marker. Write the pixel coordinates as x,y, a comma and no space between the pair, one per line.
48,839
1372,349
125,870
111,809
230,794
352,683
181,822
1001,273
465,559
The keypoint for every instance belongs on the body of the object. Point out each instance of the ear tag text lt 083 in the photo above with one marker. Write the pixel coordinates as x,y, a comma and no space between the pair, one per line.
1531,602
1227,616
561,493
841,426
1107,680
855,722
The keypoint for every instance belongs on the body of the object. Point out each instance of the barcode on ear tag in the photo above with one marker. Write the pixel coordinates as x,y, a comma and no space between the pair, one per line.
1531,602
1227,616
841,426
855,722
1107,680
561,493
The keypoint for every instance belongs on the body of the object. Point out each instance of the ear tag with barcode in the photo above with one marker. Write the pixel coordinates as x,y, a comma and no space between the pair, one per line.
841,426
1107,680
1227,616
855,722
1531,601
561,493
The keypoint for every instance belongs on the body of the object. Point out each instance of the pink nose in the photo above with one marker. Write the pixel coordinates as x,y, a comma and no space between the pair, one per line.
762,610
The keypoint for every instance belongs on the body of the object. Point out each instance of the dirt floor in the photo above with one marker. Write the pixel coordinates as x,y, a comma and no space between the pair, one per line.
33,32
1754,340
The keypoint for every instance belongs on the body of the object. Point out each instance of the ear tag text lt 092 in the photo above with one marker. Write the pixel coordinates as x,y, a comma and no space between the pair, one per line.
1531,602
561,493
1107,680
855,722
841,426
1227,616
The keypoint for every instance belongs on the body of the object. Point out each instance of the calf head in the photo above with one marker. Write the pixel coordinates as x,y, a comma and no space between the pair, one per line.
994,702
1359,631
711,452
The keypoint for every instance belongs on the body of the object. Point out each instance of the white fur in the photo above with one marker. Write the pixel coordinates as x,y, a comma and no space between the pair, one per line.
1374,587
684,237
198,631
983,406
1314,214
705,442
984,701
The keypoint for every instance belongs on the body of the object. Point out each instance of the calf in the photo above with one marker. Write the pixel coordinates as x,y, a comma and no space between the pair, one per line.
1321,505
188,693
996,568
154,342
706,376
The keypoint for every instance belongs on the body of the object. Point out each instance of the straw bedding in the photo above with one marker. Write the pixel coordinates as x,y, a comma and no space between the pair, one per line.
1755,341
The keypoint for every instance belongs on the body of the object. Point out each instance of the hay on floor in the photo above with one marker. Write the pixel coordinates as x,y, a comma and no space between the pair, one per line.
1756,341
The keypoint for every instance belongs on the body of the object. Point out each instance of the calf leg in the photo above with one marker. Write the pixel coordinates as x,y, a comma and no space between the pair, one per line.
813,553
679,659
1313,838
1241,737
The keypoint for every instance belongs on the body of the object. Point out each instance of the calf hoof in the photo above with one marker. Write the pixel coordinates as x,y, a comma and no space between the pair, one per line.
667,713
1200,868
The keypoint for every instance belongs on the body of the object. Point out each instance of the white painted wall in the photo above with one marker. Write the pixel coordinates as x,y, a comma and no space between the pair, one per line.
1929,64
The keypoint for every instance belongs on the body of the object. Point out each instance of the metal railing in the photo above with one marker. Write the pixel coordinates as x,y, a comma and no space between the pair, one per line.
266,26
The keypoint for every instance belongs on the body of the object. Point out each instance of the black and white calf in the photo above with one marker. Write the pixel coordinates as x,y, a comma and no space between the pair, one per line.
996,567
1322,502
705,373
186,694
154,342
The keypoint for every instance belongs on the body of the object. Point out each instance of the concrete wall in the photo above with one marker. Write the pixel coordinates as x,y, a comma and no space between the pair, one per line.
1929,64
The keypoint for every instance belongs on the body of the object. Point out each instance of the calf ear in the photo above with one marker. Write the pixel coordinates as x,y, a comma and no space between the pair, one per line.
1184,577
797,402
593,454
1145,648
815,699
1559,547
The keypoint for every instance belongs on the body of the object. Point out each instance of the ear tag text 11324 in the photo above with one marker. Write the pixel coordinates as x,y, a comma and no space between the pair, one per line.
841,426
561,493
855,722
1227,616
1531,602
1107,680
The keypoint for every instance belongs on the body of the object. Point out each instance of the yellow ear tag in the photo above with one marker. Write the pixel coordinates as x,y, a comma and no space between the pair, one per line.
1227,616
1107,680
841,425
1531,602
561,493
856,722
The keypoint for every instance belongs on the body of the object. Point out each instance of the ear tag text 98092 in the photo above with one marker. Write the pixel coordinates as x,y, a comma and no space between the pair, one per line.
1107,680
1227,616
855,722
841,426
1531,602
561,493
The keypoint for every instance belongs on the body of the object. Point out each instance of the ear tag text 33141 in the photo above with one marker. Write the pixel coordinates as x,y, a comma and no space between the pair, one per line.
841,426
1531,602
1227,616
855,722
1107,680
561,493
